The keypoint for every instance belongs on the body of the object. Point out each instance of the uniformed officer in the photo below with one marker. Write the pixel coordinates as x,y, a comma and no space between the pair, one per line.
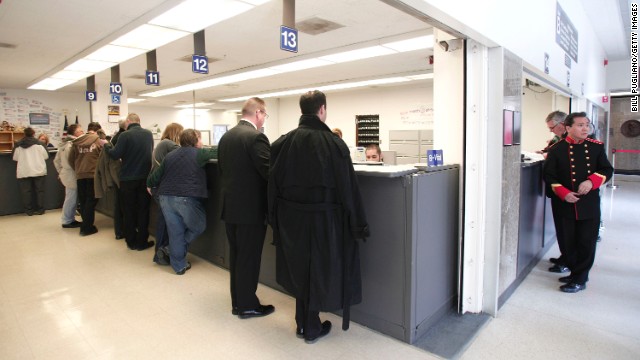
575,169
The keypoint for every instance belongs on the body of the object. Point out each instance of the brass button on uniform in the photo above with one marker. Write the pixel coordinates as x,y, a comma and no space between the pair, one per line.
570,152
586,151
588,171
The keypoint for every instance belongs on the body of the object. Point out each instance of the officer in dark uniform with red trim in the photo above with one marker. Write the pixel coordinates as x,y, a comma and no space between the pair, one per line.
575,169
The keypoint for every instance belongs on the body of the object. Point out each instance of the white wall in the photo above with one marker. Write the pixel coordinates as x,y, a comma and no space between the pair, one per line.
527,28
618,75
392,103
16,104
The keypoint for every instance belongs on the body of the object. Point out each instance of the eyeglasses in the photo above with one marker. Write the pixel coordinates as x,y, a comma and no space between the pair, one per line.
553,127
266,116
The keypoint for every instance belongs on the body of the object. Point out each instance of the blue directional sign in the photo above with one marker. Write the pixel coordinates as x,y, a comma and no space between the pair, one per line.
152,78
90,95
115,99
115,88
200,64
288,39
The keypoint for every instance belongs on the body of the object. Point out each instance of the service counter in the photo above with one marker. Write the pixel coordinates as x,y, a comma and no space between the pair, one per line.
409,263
11,200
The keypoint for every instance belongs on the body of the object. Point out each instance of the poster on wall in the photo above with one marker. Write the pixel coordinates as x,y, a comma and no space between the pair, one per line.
507,135
39,119
113,109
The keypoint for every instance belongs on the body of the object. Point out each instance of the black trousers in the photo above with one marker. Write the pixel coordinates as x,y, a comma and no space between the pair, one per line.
88,201
28,187
118,217
135,207
580,240
245,248
307,320
557,222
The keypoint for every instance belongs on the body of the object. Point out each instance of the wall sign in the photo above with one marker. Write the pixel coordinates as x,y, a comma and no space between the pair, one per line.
115,88
90,95
288,39
152,78
199,64
38,119
566,33
115,99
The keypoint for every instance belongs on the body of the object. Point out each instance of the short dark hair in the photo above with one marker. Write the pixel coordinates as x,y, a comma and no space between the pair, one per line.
375,147
94,126
569,120
72,129
29,132
312,101
189,137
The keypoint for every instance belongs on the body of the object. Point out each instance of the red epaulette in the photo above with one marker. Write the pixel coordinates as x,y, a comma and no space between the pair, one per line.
594,141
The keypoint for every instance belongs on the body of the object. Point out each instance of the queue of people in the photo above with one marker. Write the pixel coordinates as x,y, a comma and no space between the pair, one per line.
311,199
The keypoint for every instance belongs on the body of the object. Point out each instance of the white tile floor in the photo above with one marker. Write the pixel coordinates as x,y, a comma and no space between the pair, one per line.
63,296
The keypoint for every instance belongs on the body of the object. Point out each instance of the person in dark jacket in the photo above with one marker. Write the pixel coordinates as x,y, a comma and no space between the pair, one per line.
134,147
317,215
575,169
243,163
31,171
181,184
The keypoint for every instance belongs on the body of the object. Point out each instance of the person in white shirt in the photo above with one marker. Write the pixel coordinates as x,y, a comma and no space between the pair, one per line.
31,170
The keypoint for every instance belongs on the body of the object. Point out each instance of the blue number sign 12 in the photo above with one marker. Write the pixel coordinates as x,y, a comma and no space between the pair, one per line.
199,64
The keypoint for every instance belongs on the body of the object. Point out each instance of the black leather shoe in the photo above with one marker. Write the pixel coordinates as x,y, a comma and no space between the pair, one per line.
299,333
91,231
119,237
145,246
184,269
559,269
234,311
262,310
572,287
73,224
557,260
566,279
326,328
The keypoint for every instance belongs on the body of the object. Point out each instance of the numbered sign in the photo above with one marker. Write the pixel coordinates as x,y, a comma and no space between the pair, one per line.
199,64
115,88
152,78
115,99
288,39
91,95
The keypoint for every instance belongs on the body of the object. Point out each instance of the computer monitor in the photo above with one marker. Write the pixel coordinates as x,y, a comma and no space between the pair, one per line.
389,157
218,131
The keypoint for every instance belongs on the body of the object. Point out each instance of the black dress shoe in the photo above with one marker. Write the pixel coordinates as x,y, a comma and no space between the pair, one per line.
145,246
557,260
73,224
234,311
119,237
572,287
184,269
299,333
326,328
262,310
566,279
559,269
91,231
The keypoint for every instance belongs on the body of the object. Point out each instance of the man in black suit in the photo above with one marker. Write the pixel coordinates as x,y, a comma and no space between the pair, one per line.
243,162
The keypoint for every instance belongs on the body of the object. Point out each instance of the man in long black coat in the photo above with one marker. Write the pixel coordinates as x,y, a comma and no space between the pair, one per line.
243,163
575,169
317,216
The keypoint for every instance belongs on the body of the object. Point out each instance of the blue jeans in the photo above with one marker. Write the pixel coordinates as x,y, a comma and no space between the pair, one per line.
186,219
69,205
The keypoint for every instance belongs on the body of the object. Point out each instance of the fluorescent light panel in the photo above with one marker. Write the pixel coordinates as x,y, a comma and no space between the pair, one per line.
189,106
92,66
115,53
343,86
134,100
149,37
418,43
195,15
71,75
359,54
51,84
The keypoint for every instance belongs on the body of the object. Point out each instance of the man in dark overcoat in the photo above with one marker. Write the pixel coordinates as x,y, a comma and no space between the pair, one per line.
575,169
317,216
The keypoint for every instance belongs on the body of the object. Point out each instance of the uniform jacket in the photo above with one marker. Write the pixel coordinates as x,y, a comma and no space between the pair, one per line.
568,164
317,215
84,155
243,163
31,156
134,147
61,162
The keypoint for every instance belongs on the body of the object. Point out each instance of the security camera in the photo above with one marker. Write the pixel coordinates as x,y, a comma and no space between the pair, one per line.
450,45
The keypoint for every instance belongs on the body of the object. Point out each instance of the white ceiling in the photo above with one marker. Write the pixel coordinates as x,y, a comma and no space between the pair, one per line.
49,35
